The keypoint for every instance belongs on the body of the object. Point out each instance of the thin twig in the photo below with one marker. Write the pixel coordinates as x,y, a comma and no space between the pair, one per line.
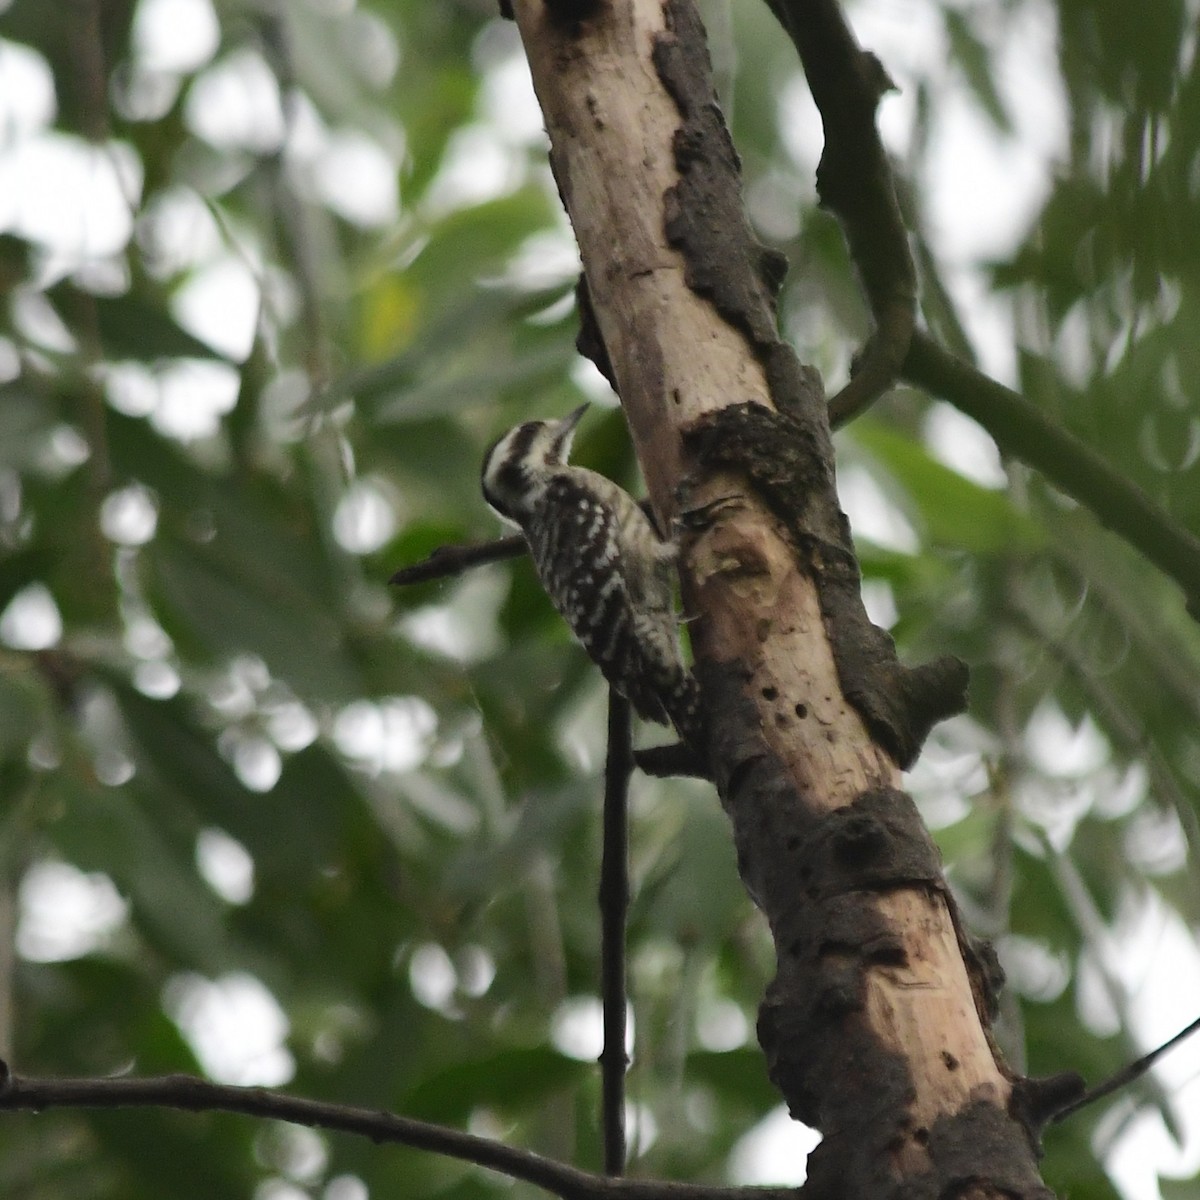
676,758
1126,1075
854,181
1020,429
454,560
614,908
1082,906
192,1094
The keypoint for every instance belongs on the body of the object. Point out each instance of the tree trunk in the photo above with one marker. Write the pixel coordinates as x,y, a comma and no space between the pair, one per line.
875,1028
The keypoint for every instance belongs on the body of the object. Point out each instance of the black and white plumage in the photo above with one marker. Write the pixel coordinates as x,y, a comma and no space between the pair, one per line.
602,564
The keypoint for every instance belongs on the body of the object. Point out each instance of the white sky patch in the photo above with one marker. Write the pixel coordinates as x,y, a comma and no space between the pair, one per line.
234,694
358,179
65,914
144,636
62,452
345,1187
1033,968
586,376
577,1028
545,259
642,1127
177,231
219,304
291,726
175,35
32,620
880,602
63,192
508,101
872,515
476,167
432,977
1061,750
10,361
963,446
476,970
982,186
255,760
193,395
388,735
27,101
1154,840
374,50
139,94
307,133
225,865
1159,965
234,1026
35,317
235,104
365,517
131,388
100,276
279,1189
721,1024
299,1153
129,516
800,127
157,679
775,1151
466,628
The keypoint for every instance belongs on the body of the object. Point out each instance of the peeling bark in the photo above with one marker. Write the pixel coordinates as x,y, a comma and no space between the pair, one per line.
876,1025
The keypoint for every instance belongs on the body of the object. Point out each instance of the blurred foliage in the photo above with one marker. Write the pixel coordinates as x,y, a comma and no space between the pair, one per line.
242,783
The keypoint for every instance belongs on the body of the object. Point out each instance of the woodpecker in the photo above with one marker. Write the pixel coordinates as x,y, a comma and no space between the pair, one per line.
601,563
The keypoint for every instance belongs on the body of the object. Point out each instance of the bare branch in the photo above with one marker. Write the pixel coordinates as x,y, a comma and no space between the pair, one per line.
614,909
1126,1075
192,1094
454,560
854,181
678,758
1022,430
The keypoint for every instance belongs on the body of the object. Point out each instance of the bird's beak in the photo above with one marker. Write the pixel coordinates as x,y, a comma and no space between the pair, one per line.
569,422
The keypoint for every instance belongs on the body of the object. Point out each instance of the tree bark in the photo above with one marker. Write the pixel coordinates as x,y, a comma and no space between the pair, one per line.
876,1025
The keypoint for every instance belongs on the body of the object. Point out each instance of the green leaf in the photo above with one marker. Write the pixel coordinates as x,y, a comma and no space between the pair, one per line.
509,1080
129,326
954,510
976,63
230,604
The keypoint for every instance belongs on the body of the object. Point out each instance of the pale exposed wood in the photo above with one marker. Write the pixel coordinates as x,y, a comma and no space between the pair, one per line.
611,125
760,611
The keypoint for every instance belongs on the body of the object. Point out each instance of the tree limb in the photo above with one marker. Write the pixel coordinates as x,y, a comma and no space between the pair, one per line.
875,1027
1126,1075
1022,430
454,560
614,909
854,181
192,1094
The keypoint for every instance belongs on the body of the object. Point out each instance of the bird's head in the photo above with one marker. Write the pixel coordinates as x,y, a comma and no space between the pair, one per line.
518,466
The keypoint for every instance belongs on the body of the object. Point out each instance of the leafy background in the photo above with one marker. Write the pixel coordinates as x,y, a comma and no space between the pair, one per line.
272,278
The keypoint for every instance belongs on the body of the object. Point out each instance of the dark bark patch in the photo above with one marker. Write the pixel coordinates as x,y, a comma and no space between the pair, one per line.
788,461
1036,1102
703,213
788,458
588,341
